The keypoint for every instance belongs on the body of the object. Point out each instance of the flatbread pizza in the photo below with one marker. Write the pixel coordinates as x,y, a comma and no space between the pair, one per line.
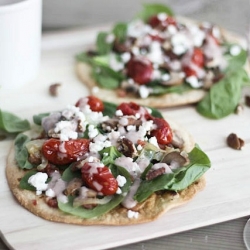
97,163
161,60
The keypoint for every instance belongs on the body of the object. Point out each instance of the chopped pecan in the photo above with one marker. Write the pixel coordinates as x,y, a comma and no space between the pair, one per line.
110,124
153,173
33,159
247,100
73,186
127,147
235,142
53,89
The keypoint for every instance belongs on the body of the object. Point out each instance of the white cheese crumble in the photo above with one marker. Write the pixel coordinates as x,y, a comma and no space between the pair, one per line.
143,91
118,112
132,214
235,50
193,81
153,141
121,180
38,181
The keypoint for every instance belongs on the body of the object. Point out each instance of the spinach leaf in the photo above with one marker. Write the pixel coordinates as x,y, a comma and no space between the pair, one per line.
100,209
236,62
109,109
224,96
159,89
21,152
109,155
24,181
150,10
120,31
11,123
68,175
37,119
199,164
102,45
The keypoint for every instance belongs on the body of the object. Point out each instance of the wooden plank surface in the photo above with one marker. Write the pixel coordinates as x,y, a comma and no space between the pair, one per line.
226,197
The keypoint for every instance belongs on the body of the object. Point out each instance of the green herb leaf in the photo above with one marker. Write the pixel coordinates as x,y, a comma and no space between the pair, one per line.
24,181
150,10
223,98
109,109
37,119
11,123
21,152
120,31
109,155
102,46
199,164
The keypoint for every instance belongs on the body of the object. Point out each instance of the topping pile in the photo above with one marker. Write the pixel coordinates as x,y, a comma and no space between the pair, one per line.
94,156
158,55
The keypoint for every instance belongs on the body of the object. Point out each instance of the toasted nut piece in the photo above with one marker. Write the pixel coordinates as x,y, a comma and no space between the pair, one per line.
73,186
126,147
247,100
53,89
235,142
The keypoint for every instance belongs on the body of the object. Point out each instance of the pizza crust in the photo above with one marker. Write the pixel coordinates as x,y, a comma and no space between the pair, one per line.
149,210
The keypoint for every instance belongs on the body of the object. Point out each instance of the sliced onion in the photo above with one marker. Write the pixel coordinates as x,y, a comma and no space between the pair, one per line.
91,201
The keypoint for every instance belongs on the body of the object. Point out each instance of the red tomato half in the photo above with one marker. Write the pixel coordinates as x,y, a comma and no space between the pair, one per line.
61,153
140,69
95,103
129,108
99,179
163,133
198,57
155,22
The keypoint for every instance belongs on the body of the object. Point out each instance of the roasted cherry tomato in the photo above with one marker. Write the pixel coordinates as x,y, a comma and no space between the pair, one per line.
163,132
155,22
189,71
140,69
129,108
99,178
95,103
61,153
198,57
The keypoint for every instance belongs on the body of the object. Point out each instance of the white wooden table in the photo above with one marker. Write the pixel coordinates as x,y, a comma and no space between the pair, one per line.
225,198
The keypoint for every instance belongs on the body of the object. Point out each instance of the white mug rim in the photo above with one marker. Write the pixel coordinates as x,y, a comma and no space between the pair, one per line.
14,6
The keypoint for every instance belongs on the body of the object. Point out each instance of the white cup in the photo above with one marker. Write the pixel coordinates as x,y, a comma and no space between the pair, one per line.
20,42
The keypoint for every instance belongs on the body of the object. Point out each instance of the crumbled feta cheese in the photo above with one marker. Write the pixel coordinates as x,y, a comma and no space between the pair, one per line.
132,214
93,132
172,29
118,191
123,121
235,50
139,147
114,63
50,193
38,181
162,16
180,43
95,90
165,77
153,141
110,38
125,57
118,112
121,180
67,130
143,91
193,81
